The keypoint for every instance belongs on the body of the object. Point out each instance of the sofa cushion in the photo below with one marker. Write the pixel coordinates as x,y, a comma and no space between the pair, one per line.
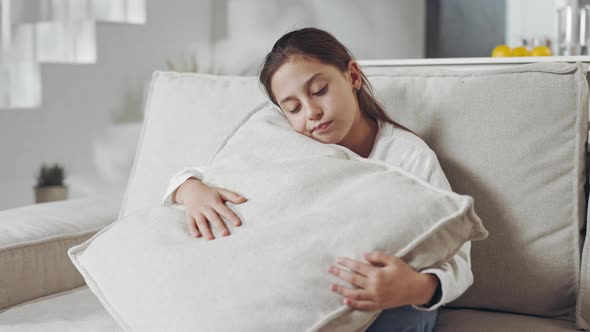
308,203
70,311
468,320
583,303
34,241
514,139
177,130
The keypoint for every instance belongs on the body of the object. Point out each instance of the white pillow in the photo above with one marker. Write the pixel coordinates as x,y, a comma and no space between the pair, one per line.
308,203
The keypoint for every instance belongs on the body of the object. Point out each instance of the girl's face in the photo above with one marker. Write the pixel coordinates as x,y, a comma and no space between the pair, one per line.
318,99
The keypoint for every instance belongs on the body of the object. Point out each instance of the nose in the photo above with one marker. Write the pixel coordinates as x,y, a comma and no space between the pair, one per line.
314,111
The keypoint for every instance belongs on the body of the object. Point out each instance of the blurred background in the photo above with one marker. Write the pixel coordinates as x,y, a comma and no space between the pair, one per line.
74,73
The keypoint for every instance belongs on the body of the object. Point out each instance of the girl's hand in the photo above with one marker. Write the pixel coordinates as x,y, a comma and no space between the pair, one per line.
204,205
387,282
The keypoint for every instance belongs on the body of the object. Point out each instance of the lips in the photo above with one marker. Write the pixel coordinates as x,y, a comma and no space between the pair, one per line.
321,125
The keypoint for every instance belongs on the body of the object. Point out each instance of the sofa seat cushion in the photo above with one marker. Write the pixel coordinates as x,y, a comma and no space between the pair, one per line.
80,310
74,310
467,320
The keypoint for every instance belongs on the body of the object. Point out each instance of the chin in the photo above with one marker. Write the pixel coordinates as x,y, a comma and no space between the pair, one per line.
326,140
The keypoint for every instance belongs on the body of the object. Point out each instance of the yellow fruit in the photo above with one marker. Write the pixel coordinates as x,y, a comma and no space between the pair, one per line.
541,51
521,51
502,50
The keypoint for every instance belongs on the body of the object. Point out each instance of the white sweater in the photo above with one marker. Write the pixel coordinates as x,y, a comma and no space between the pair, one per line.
407,151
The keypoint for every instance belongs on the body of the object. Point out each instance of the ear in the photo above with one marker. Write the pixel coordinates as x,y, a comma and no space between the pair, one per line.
354,73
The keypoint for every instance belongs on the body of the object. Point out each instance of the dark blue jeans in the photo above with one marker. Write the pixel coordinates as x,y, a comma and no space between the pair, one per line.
404,319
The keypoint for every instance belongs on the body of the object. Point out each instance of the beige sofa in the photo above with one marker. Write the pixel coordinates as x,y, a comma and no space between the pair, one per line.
515,139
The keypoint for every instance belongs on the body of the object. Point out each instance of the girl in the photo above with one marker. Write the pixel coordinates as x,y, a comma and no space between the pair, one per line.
320,88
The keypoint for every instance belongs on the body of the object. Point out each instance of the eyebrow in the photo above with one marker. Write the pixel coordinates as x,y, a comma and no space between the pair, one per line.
307,83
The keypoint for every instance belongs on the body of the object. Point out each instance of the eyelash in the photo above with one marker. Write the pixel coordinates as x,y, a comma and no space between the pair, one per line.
319,93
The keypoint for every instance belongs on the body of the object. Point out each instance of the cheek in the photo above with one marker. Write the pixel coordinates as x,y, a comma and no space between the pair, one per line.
335,102
340,102
298,124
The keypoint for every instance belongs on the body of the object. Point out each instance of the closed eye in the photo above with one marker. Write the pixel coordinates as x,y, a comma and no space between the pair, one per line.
322,91
319,93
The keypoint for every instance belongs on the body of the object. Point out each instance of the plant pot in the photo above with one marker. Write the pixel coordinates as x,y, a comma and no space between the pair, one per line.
50,193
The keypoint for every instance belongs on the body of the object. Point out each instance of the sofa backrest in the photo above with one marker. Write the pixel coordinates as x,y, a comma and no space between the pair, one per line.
178,129
514,139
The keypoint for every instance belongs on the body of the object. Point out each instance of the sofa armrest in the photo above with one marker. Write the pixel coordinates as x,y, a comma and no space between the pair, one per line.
34,241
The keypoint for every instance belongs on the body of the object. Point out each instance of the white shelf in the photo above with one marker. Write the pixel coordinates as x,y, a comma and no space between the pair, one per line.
471,61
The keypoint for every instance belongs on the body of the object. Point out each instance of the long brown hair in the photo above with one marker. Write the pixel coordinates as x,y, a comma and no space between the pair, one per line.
322,46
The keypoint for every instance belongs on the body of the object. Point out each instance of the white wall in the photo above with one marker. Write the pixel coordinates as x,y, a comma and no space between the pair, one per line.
81,102
371,29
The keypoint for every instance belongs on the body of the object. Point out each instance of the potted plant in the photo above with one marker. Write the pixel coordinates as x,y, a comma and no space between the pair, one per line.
50,184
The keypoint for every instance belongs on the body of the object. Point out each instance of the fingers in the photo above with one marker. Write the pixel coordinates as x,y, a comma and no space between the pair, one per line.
361,305
353,294
379,257
228,214
207,210
216,221
192,227
203,226
231,196
358,267
351,277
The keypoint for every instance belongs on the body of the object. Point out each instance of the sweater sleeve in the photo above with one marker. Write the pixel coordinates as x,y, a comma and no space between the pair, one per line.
178,179
455,276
